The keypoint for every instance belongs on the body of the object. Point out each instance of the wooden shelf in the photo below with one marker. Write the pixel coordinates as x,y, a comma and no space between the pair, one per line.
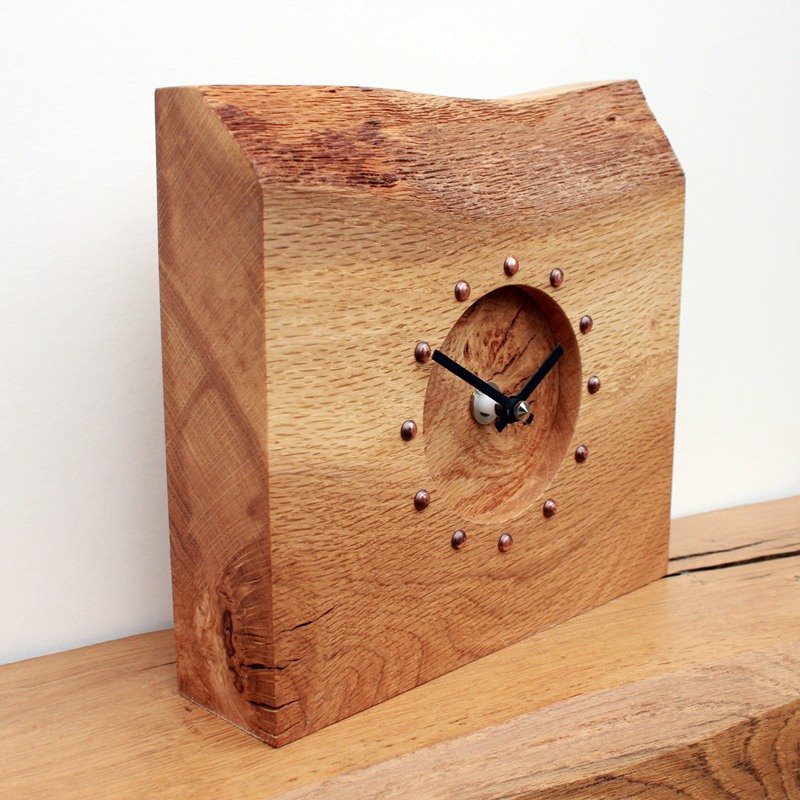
689,687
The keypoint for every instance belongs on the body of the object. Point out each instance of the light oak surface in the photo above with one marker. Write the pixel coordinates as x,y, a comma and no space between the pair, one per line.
686,688
309,238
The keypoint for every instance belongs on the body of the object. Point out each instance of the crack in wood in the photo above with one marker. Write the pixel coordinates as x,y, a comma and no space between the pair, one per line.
270,707
513,360
502,343
721,550
156,666
272,668
308,622
740,563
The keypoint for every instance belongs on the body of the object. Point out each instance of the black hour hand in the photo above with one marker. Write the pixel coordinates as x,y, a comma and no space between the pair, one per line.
541,373
520,400
473,380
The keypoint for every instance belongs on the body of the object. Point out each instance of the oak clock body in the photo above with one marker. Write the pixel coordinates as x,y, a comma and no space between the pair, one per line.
419,374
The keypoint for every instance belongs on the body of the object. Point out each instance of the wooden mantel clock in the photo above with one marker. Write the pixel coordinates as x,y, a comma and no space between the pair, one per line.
419,374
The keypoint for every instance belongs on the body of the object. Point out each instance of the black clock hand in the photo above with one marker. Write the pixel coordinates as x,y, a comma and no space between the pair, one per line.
530,386
540,373
473,380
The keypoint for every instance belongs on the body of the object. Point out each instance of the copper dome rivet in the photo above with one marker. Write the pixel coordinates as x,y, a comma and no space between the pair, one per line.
422,352
504,542
422,499
408,430
462,291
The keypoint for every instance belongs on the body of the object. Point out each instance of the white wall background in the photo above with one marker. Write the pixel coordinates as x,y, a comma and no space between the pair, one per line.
83,519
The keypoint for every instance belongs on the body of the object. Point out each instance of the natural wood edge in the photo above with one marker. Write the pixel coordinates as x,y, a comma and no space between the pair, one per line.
537,94
618,140
555,91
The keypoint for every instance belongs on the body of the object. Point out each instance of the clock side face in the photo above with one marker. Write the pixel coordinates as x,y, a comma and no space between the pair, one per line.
482,473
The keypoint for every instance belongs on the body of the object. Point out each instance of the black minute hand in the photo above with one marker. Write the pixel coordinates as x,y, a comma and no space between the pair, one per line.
473,380
529,388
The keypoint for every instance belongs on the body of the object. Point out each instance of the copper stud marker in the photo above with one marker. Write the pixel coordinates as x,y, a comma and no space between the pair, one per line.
511,266
593,384
462,291
556,278
586,323
422,499
581,453
422,352
408,430
549,508
505,542
458,540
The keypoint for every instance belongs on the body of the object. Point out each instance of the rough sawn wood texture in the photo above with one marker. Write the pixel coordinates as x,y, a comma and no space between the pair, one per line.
309,237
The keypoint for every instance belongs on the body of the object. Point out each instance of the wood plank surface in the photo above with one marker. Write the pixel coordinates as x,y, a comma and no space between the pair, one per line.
734,536
686,688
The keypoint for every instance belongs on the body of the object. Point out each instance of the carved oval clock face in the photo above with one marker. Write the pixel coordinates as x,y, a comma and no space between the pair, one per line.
505,337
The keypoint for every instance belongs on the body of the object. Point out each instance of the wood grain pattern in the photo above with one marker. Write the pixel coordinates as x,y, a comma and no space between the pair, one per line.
310,237
710,656
668,737
211,280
